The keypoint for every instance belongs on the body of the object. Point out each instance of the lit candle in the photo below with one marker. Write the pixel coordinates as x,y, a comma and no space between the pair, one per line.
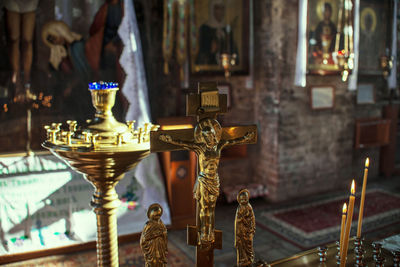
343,254
344,211
360,214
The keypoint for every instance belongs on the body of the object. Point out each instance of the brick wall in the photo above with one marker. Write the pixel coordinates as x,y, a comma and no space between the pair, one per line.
299,151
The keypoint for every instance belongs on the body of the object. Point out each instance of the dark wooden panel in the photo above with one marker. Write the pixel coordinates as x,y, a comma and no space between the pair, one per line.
372,132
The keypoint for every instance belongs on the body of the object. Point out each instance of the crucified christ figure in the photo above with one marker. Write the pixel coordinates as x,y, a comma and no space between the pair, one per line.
207,146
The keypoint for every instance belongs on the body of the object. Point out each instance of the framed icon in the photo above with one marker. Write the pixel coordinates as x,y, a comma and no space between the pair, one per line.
324,40
222,27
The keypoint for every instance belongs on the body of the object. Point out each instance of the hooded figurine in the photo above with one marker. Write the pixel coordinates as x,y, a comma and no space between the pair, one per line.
153,240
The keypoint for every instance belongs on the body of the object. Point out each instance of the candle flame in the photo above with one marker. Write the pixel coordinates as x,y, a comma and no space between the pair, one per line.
353,187
367,163
344,208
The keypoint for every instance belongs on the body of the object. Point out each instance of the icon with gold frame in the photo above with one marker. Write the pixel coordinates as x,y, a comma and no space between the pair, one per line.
325,42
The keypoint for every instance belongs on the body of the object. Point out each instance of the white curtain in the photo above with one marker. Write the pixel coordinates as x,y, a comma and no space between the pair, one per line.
301,58
354,75
392,80
148,171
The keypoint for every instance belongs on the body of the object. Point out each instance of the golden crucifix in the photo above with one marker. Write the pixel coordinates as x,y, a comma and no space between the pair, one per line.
207,141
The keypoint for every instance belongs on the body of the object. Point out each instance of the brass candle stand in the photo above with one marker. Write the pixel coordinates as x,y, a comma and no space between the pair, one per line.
103,149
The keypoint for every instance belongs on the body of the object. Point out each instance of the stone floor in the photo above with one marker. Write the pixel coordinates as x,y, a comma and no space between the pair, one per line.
267,245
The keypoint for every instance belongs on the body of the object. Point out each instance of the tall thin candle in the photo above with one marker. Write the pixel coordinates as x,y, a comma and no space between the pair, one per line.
361,212
343,255
344,211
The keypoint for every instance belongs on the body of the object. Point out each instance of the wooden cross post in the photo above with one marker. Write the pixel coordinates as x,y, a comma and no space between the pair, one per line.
207,139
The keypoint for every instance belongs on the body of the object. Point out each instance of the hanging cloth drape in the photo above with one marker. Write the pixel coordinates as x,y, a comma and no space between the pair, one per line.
392,80
134,89
183,33
301,58
352,85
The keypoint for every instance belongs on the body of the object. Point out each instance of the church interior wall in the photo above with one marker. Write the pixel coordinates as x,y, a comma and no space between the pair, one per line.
300,151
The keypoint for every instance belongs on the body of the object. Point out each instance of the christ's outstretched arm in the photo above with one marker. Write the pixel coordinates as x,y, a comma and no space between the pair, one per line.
185,144
239,140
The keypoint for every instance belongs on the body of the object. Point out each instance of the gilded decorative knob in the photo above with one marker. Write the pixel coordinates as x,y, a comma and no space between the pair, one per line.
69,135
53,135
72,125
86,136
120,139
94,140
140,135
131,125
47,128
146,127
56,125
154,127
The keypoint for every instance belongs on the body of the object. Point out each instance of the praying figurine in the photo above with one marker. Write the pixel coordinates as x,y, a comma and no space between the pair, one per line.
208,146
245,227
153,240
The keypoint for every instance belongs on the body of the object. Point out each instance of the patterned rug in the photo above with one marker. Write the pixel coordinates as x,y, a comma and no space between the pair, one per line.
130,255
317,223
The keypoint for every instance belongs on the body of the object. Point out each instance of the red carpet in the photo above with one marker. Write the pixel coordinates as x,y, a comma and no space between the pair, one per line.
130,255
319,222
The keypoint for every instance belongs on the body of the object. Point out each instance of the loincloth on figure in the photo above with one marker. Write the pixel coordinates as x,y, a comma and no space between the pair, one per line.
21,6
209,187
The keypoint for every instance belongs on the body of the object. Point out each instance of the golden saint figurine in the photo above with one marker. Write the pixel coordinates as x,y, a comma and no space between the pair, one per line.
208,146
153,240
245,227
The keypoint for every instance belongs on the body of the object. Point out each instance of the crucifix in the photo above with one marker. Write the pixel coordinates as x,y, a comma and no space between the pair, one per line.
207,140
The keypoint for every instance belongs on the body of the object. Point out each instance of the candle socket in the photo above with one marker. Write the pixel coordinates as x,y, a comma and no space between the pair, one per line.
359,252
396,258
376,252
322,253
338,252
380,261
